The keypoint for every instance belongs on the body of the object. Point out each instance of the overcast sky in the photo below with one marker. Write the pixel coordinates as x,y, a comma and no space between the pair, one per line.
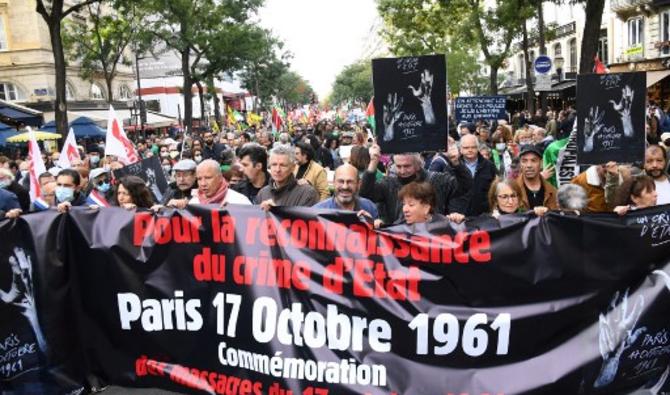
323,35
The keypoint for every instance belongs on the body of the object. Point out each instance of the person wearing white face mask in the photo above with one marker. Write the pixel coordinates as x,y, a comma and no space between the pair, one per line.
68,190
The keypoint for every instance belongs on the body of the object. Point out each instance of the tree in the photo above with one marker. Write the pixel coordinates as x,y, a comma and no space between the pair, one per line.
353,83
293,89
225,50
430,28
451,25
101,42
261,76
54,12
591,35
185,25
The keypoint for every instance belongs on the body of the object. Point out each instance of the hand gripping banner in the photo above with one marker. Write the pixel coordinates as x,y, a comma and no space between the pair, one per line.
299,301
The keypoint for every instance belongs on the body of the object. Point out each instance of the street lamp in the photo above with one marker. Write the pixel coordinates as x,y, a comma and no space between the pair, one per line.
558,60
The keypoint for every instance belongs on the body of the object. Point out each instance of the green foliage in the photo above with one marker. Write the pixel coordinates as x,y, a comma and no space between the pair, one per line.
293,89
354,83
460,28
101,41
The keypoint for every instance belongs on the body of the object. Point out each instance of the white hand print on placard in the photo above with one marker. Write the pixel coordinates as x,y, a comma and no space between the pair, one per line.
592,125
21,293
623,108
423,94
392,112
617,333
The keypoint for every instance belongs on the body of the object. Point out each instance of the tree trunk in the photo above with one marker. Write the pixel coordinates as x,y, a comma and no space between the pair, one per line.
543,48
493,80
59,65
530,92
217,104
594,14
186,87
201,97
110,92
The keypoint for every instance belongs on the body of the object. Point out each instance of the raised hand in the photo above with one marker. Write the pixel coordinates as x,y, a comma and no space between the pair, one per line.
423,93
623,108
617,333
592,126
392,112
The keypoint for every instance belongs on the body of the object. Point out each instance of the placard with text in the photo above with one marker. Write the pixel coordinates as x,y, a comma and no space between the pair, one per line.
410,103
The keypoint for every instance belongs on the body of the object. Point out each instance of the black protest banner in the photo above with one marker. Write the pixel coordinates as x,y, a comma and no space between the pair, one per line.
610,117
151,171
37,349
411,103
239,301
476,108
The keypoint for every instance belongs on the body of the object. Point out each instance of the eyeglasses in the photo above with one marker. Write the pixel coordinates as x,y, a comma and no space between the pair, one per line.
512,196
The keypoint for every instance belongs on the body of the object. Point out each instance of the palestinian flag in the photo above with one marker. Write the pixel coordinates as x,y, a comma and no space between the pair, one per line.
370,114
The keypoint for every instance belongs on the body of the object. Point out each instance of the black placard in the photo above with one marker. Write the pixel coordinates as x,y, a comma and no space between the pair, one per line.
610,112
410,103
151,171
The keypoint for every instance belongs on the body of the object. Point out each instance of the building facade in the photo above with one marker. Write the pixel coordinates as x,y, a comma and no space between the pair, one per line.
27,72
634,36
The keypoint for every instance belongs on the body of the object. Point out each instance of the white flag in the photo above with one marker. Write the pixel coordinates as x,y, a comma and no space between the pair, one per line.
35,165
69,153
117,142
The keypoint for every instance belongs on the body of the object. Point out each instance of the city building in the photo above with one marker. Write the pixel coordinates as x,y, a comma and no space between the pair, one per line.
640,31
27,72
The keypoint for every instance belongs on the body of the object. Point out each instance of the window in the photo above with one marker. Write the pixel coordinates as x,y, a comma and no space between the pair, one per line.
124,92
522,67
665,32
635,32
3,34
557,50
603,50
96,92
69,92
9,92
572,45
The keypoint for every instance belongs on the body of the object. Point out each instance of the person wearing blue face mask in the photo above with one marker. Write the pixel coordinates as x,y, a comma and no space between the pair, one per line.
67,190
101,193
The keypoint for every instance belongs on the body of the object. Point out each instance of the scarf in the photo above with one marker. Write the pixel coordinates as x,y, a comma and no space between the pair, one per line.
218,197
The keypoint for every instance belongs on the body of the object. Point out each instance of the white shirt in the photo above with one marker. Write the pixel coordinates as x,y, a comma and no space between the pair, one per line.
232,197
663,191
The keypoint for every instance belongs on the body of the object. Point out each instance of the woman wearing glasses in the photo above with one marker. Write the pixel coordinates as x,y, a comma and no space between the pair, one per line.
504,199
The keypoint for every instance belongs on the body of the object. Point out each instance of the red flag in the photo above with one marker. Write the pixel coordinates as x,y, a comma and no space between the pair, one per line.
276,120
117,142
599,67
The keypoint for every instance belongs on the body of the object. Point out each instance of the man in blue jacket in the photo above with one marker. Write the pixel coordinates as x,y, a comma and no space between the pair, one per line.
346,196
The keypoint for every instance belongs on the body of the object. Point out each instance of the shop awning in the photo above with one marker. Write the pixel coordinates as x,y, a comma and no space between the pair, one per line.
154,119
14,114
6,132
563,85
655,76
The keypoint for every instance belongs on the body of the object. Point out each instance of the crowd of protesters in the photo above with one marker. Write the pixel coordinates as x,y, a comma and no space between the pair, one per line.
490,168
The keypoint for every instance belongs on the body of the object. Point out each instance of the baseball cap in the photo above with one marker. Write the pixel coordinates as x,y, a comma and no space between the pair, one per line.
530,149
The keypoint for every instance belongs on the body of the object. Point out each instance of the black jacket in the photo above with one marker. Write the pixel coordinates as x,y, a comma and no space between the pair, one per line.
213,152
448,185
475,201
21,193
246,188
173,192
